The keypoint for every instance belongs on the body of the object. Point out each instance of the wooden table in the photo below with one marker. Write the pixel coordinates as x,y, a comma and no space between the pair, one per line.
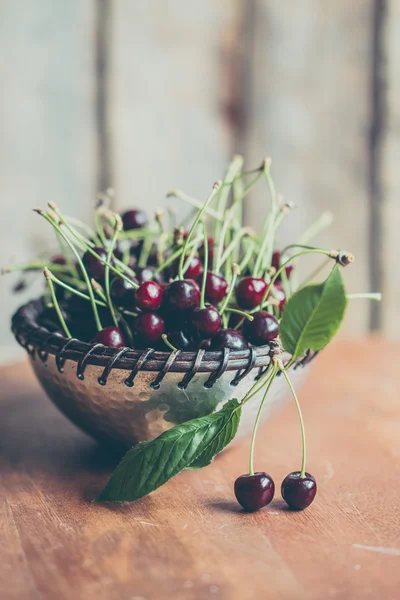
190,540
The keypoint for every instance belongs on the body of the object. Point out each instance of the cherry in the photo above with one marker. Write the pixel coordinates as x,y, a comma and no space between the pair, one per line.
122,292
110,336
194,269
93,265
205,344
147,273
262,329
279,294
228,338
254,491
298,492
276,262
181,296
149,327
250,291
148,296
134,219
207,320
234,320
216,287
181,339
58,259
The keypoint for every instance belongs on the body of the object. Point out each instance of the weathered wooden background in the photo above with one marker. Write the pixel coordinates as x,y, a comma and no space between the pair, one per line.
149,95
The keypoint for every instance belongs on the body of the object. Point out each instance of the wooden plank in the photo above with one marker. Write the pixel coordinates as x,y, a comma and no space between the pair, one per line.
168,84
47,142
390,172
189,540
310,111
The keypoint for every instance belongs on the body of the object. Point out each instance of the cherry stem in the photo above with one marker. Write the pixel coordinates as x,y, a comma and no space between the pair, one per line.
266,248
176,255
283,266
232,285
257,421
241,233
324,221
195,203
222,236
64,252
98,219
366,296
167,342
74,291
113,241
205,267
35,266
89,249
234,170
48,275
81,266
248,255
316,271
89,232
215,190
245,315
303,434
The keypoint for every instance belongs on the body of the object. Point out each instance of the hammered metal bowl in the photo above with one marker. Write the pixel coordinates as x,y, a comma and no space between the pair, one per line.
126,396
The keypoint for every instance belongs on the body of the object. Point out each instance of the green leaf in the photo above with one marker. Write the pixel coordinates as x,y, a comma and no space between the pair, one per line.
150,464
222,439
313,315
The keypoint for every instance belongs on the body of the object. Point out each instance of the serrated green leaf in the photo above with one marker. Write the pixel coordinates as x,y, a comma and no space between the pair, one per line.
150,464
313,315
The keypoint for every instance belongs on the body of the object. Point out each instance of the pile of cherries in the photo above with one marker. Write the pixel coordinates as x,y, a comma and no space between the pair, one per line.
165,312
157,308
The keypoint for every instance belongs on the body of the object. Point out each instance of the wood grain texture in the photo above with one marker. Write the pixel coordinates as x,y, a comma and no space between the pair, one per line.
170,75
47,141
189,540
309,110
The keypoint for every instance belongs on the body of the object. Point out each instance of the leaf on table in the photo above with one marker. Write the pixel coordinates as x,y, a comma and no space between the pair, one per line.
150,464
313,315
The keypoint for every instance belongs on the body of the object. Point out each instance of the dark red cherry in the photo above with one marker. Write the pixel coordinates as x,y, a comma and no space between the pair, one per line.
149,327
122,292
211,250
205,344
148,296
181,296
229,338
298,492
216,287
181,339
58,259
93,265
276,262
262,329
110,336
279,294
134,219
147,273
207,320
194,269
250,291
254,491
234,320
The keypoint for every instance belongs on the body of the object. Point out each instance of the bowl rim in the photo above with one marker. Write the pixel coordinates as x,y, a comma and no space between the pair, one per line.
38,340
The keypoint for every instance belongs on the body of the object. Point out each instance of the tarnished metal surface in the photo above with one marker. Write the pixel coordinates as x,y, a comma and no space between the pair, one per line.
120,415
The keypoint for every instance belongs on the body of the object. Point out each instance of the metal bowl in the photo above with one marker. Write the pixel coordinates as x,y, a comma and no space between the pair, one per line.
126,396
